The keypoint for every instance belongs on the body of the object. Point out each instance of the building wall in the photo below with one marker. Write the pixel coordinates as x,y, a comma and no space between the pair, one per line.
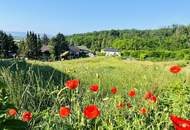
112,53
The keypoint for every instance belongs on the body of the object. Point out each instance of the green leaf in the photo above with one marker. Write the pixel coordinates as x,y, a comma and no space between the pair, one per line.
14,124
2,84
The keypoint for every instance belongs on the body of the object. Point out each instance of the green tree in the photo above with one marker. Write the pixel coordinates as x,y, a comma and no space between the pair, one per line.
58,45
33,43
44,40
120,44
23,48
7,44
174,37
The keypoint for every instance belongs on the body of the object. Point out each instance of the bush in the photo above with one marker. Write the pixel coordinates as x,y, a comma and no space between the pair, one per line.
135,54
100,54
179,55
158,54
125,53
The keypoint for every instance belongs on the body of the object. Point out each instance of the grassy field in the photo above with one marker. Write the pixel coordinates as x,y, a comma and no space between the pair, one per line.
39,87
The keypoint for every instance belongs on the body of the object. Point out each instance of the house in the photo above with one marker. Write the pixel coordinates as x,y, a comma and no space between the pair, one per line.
111,52
85,52
73,52
11,54
80,51
64,55
45,52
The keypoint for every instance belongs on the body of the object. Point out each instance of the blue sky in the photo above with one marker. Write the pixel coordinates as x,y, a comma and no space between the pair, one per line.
75,16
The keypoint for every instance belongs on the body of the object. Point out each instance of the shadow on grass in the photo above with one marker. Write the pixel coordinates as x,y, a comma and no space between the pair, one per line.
44,73
30,86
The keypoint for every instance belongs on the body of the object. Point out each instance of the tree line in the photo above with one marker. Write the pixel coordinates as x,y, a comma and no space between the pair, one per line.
172,38
31,46
7,44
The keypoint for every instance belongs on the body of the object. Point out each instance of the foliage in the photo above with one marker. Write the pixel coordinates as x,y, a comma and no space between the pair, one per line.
40,87
6,121
7,45
175,37
33,43
58,45
45,40
158,54
23,49
172,38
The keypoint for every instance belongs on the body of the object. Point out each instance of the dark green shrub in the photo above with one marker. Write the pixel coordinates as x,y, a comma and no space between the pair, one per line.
179,55
158,54
125,53
135,54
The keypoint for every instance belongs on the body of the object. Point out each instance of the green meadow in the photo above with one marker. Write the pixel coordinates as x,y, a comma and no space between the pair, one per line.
39,87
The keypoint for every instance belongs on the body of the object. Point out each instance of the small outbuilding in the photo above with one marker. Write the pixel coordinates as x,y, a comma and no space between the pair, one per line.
111,52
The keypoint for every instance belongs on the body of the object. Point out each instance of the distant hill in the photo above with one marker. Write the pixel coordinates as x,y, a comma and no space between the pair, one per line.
174,37
22,35
18,35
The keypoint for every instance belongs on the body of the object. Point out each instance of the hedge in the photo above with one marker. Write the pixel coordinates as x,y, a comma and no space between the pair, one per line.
157,54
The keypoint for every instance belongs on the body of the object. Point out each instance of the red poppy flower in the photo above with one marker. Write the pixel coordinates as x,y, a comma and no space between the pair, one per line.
64,112
153,98
143,110
120,105
72,84
179,123
12,112
131,93
113,90
148,95
94,88
26,116
175,69
91,112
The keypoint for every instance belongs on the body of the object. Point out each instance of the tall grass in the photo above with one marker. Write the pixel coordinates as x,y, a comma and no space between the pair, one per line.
39,87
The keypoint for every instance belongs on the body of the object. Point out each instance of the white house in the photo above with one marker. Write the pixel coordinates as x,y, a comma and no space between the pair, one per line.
111,52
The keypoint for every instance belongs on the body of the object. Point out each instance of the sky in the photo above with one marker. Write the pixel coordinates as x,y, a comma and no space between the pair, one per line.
79,16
